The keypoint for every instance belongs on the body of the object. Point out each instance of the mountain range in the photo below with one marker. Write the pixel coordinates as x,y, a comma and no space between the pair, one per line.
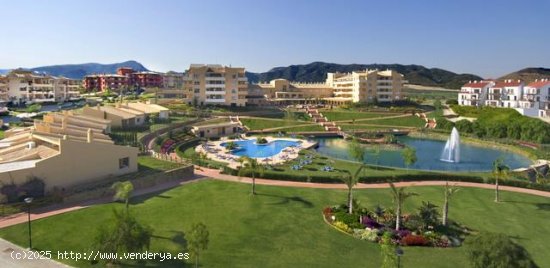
414,74
528,74
78,71
312,72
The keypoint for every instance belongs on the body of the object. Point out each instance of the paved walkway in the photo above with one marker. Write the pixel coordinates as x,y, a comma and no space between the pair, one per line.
213,173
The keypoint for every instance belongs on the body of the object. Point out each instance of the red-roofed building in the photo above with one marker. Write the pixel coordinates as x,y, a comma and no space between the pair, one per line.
535,100
474,93
505,93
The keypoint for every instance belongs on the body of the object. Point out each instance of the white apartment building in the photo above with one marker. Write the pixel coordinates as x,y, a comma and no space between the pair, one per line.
535,99
506,93
474,93
28,87
530,100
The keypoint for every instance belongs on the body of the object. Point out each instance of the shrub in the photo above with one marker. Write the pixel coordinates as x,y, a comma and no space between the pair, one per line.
352,220
342,226
366,234
414,223
414,240
451,102
370,223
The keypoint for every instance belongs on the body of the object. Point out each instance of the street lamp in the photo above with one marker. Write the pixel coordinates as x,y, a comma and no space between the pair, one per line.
399,252
28,200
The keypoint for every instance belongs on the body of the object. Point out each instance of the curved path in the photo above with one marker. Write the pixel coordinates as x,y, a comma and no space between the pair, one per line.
215,174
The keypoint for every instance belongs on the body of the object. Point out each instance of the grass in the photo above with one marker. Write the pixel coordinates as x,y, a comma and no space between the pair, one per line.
146,163
259,123
429,94
313,127
349,115
283,227
1,134
408,121
362,127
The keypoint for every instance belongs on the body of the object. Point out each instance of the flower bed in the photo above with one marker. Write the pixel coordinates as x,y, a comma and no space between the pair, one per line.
166,145
373,225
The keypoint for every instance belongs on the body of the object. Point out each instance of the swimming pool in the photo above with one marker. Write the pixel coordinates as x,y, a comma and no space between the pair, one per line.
251,149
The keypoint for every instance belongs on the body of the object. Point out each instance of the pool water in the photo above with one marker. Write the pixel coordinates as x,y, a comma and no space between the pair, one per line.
251,149
428,152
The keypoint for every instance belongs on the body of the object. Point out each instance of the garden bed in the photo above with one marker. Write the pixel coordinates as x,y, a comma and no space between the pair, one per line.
378,226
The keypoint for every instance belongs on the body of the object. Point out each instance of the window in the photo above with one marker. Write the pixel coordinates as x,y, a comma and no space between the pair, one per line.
197,90
123,162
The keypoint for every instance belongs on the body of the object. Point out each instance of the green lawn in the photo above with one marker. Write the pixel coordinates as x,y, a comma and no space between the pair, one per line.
362,127
259,123
312,127
283,227
150,163
349,115
409,121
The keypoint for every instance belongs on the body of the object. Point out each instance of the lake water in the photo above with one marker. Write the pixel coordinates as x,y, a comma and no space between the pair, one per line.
428,152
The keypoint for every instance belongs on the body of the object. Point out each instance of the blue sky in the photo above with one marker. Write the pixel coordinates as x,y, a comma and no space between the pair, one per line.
489,38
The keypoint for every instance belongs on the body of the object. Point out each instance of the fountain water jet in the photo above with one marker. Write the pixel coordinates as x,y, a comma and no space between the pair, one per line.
451,152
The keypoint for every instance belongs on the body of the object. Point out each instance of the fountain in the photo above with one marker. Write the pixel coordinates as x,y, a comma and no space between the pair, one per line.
451,152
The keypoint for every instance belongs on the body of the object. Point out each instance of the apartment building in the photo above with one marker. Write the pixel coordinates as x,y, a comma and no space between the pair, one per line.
4,96
474,93
213,84
505,93
102,82
65,149
535,99
365,86
22,86
530,100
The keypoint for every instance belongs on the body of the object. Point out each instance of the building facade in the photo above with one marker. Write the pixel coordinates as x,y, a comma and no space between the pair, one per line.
22,86
474,93
212,84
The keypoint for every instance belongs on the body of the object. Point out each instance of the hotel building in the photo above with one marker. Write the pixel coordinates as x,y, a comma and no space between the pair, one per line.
212,84
338,89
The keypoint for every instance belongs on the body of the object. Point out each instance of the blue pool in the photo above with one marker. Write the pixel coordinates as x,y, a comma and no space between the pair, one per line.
251,149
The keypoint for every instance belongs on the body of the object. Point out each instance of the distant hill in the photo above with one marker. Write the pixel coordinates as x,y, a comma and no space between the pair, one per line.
78,71
415,74
528,74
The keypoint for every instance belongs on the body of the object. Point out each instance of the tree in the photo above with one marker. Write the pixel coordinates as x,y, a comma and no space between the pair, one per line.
500,171
125,234
3,202
252,166
449,192
399,196
357,151
197,240
490,250
409,156
437,105
123,191
350,181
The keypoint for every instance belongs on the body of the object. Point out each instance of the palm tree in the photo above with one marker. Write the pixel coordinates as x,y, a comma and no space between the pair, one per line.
409,156
399,197
241,160
500,171
350,181
123,191
251,165
449,191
